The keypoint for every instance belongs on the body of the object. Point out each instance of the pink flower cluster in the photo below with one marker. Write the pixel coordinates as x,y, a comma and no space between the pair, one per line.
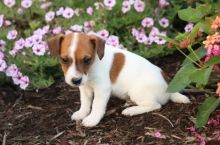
24,3
110,39
212,44
17,77
154,35
64,12
12,71
35,42
139,5
197,135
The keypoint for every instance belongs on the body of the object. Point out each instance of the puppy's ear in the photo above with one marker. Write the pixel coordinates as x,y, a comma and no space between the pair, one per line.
99,45
55,44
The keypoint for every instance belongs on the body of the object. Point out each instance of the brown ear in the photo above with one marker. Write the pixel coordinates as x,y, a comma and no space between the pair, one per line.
54,44
99,45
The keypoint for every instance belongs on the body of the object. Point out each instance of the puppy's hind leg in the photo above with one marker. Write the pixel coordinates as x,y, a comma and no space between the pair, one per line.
136,110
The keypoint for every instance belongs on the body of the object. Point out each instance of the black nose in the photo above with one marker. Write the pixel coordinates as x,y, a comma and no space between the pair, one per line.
76,81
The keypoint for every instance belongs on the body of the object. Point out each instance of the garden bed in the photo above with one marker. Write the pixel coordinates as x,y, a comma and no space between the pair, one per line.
43,117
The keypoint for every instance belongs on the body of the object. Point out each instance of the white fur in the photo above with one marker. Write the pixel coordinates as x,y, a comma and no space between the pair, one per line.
139,80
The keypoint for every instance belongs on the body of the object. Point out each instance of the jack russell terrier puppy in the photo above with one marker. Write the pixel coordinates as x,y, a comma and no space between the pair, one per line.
100,70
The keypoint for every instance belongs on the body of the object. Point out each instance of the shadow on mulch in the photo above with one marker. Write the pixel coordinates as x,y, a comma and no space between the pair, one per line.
43,117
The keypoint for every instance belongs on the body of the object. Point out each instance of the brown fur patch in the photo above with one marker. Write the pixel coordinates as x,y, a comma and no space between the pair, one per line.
165,76
85,49
64,51
118,63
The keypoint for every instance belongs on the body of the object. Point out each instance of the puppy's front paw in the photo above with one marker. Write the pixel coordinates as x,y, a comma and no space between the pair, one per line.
90,121
79,115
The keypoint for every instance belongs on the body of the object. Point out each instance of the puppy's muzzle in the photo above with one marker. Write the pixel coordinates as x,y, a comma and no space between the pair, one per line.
76,81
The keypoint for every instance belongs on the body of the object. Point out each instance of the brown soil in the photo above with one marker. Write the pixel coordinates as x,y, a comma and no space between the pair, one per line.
43,117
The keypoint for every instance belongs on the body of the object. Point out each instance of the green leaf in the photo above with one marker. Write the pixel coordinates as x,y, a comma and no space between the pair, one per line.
212,61
200,52
206,25
205,110
190,15
201,76
194,15
204,9
34,24
181,79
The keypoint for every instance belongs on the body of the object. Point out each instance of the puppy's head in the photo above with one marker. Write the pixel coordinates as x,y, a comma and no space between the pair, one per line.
77,53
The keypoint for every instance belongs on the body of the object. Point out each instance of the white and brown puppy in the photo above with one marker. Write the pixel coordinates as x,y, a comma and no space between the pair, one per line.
100,70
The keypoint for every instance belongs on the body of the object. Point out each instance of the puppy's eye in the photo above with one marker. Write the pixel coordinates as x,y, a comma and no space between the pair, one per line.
64,60
87,60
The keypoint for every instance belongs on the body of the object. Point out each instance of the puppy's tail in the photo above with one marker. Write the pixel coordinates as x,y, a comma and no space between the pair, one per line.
179,98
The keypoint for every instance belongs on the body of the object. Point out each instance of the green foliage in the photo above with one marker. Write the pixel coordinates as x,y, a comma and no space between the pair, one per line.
204,111
194,71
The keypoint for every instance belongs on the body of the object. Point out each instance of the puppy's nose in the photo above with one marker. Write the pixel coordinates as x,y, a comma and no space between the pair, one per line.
76,81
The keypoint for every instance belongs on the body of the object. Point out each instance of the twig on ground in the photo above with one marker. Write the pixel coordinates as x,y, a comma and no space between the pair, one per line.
164,117
4,139
35,107
57,135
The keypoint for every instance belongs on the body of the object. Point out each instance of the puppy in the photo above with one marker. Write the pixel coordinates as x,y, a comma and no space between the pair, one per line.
100,70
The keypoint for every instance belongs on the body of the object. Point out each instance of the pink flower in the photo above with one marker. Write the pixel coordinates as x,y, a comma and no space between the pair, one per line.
163,3
113,40
147,22
2,44
148,41
57,30
154,32
3,65
49,16
1,55
109,3
188,27
7,23
13,52
76,28
89,11
164,22
159,40
103,34
17,78
141,38
9,3
1,20
39,49
45,5
139,6
29,42
26,3
88,25
126,6
19,44
60,11
12,70
216,50
24,82
157,134
134,32
12,34
68,13
37,38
